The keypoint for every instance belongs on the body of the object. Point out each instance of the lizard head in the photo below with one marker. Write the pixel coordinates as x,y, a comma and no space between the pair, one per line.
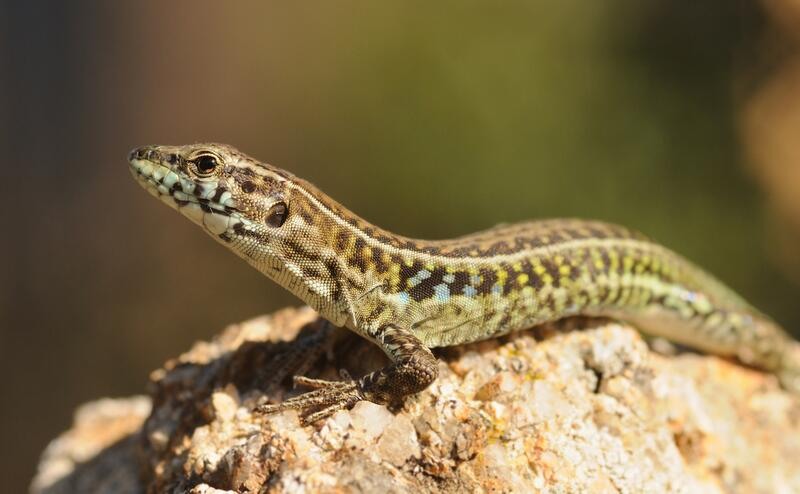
262,213
224,191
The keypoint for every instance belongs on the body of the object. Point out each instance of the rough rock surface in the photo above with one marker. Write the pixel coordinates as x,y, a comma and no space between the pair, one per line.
99,453
585,411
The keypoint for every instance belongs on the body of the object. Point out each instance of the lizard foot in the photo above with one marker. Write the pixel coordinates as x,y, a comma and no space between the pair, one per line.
413,368
327,398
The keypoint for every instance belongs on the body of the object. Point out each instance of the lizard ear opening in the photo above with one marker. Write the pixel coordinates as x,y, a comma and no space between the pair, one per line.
277,214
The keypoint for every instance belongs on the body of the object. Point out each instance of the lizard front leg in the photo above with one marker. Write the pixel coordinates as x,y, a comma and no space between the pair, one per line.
413,369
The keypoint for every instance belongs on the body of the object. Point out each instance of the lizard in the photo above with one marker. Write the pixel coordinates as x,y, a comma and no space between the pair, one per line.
408,296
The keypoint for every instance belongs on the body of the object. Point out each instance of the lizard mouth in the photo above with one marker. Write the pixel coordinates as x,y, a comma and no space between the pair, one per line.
202,203
151,176
165,181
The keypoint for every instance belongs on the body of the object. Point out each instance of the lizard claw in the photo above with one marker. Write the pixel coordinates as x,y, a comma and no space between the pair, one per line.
327,398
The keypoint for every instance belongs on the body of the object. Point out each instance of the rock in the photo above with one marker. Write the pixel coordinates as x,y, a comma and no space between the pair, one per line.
584,411
99,453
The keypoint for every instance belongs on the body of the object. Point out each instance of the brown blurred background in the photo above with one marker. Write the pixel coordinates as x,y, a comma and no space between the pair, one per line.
680,119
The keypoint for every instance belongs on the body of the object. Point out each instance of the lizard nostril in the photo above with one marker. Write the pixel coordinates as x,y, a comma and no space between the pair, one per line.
142,153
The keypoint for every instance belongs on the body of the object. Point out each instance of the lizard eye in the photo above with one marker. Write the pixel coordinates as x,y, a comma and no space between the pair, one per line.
277,214
205,164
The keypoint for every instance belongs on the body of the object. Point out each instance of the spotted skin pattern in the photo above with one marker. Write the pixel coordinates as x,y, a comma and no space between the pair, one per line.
410,295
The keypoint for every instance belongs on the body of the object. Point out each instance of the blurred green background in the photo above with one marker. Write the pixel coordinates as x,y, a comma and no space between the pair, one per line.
430,119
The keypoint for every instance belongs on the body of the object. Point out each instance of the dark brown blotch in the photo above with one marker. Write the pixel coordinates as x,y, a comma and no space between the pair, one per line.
356,257
511,280
306,215
342,238
552,269
407,272
298,250
218,194
333,273
488,280
377,259
497,248
424,289
461,280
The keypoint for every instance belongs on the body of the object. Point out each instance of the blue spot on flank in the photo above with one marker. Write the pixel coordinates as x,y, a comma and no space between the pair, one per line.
470,291
403,297
475,279
497,289
422,274
449,278
442,292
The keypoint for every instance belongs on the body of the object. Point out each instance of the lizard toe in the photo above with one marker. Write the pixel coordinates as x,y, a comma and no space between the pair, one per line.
327,398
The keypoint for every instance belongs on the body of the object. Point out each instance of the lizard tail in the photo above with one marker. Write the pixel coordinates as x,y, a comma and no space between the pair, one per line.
789,373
